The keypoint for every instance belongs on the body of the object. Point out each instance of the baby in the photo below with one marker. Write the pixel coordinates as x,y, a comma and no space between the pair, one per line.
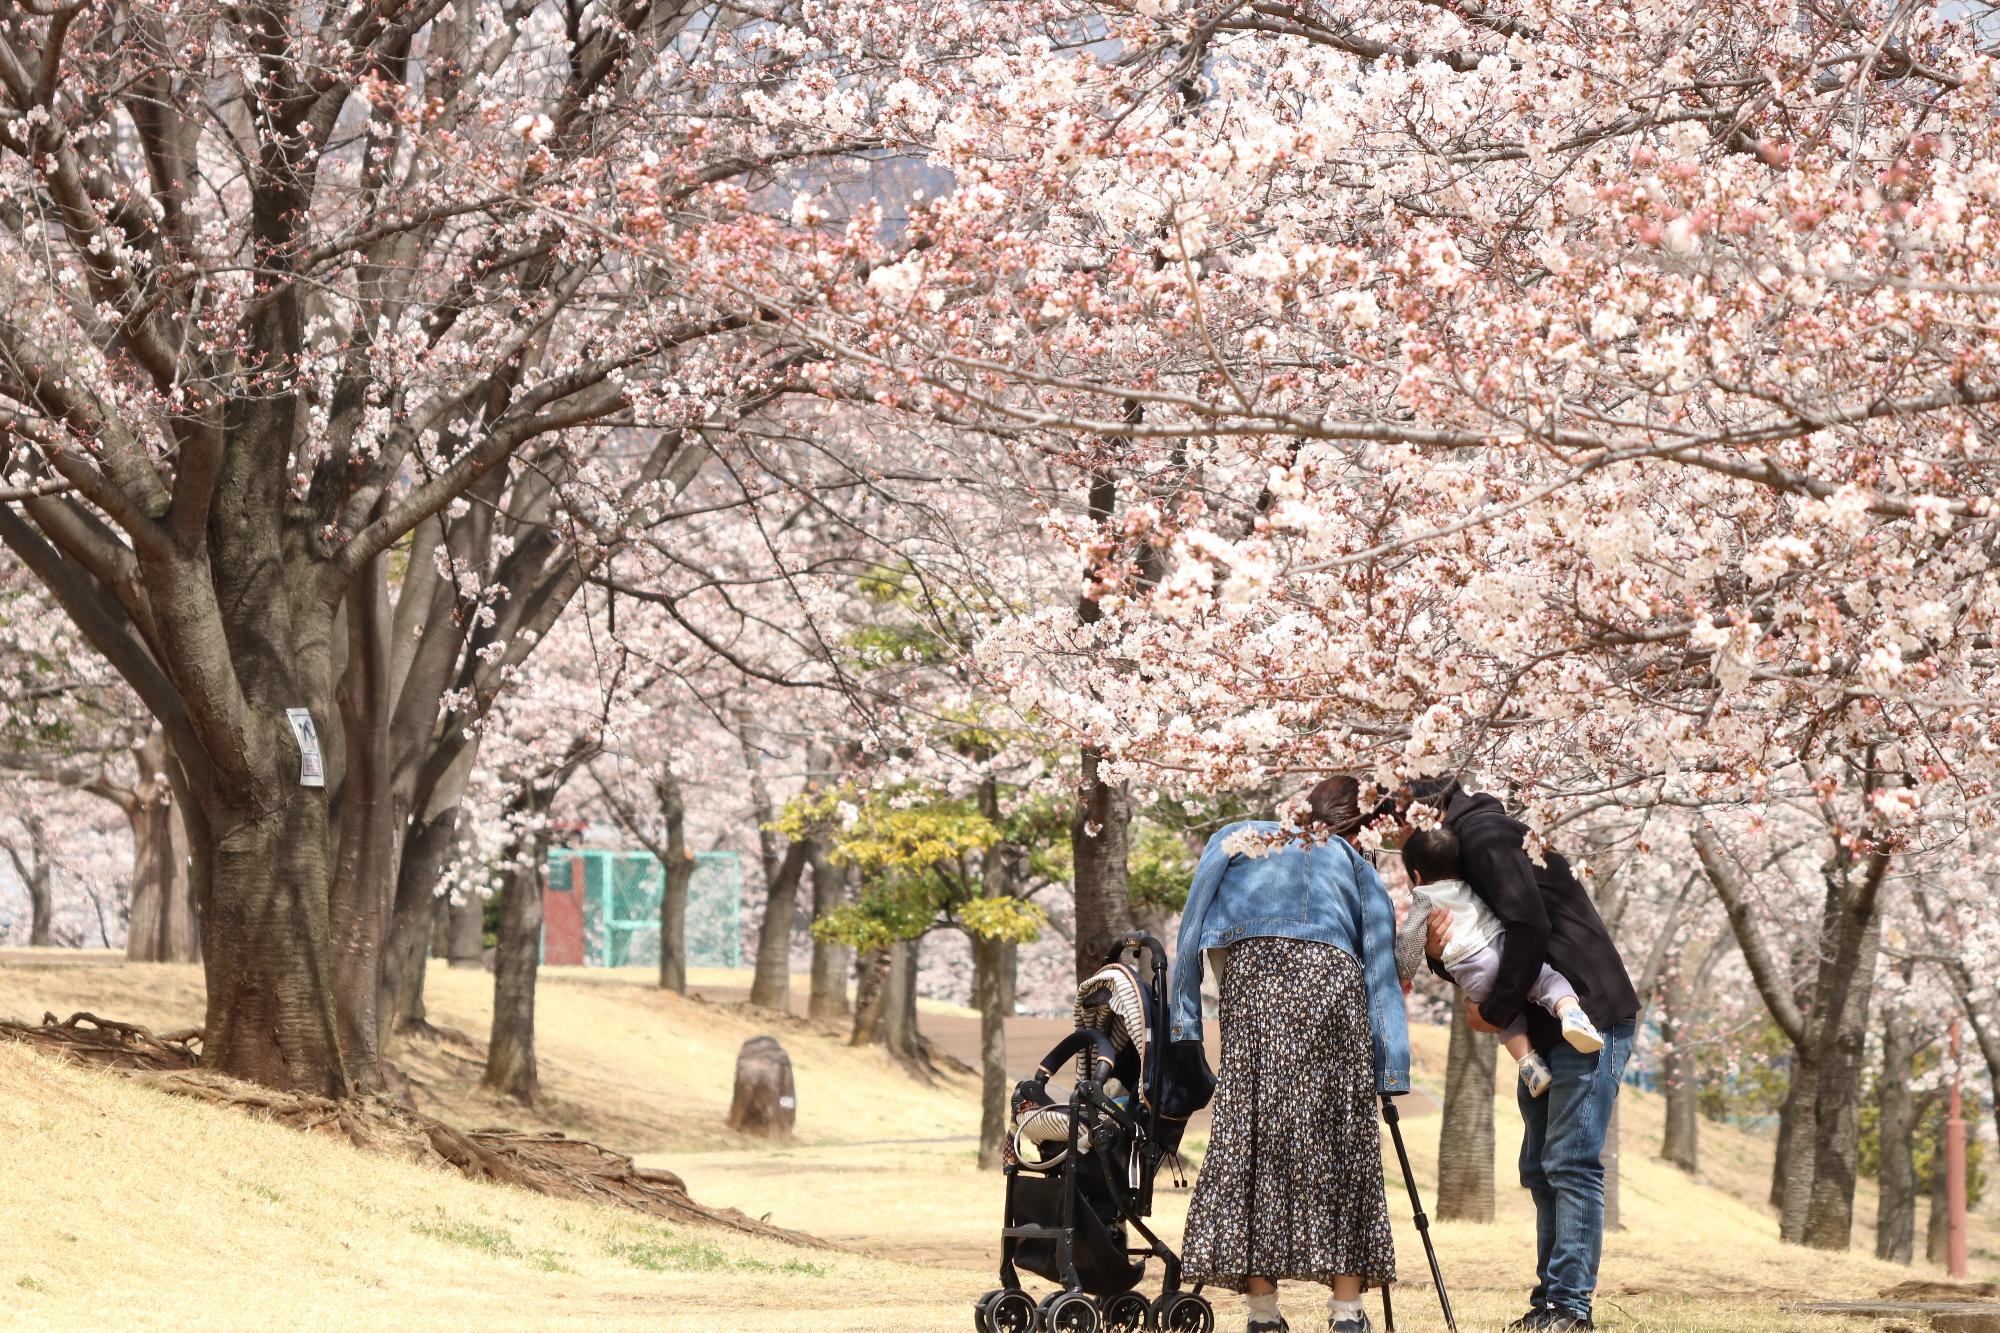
1472,951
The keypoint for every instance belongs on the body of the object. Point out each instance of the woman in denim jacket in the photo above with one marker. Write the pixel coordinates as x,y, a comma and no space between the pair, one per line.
1313,1029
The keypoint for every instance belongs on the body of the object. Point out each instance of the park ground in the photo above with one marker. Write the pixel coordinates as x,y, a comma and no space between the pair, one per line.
130,1209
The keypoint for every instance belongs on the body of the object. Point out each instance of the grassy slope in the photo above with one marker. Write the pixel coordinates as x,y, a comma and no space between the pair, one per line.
130,1209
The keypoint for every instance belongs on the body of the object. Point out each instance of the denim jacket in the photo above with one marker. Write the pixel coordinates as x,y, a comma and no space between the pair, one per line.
1327,893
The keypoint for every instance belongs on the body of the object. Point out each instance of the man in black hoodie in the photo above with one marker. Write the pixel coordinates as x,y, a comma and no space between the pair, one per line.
1549,919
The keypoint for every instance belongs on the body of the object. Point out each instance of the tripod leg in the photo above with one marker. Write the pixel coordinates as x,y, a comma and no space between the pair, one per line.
1390,1114
1388,1311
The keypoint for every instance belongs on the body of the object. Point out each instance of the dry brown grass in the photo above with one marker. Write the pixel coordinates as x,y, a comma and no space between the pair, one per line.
128,1209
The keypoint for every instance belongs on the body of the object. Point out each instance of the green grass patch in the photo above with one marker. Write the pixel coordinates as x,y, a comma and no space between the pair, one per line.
667,1254
29,1284
490,1240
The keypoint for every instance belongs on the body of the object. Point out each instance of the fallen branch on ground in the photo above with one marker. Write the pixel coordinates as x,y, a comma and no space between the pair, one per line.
546,1163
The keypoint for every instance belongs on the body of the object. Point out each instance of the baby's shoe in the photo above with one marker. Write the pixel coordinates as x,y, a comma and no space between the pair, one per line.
1579,1031
1535,1074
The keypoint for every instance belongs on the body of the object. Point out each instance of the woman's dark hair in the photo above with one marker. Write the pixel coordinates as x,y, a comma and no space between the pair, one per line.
1336,804
1431,854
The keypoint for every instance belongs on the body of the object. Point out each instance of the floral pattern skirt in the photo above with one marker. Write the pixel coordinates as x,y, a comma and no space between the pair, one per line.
1292,1183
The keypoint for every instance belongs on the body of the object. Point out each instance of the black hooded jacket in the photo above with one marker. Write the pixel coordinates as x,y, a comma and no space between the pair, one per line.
1549,919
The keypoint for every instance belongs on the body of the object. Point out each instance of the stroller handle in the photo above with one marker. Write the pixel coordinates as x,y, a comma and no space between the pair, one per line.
1136,939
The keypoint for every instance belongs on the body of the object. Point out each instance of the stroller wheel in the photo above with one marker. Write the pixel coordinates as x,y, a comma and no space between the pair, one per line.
1127,1313
1008,1310
1183,1312
1070,1312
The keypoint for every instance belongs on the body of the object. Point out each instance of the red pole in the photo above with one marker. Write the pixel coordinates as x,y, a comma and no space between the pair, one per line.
1954,1168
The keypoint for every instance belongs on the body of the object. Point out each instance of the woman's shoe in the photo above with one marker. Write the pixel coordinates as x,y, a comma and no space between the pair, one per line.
1355,1323
1277,1325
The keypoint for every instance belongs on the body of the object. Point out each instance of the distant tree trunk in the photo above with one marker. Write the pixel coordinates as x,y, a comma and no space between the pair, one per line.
37,876
1792,1185
871,987
677,871
1680,1088
988,968
1896,1123
163,923
510,1055
465,930
427,851
1465,1132
771,984
899,1004
828,1000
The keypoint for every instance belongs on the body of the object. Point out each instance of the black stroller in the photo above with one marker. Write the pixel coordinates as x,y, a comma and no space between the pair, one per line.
1080,1172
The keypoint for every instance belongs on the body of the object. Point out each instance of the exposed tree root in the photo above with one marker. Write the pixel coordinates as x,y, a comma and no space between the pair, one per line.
545,1163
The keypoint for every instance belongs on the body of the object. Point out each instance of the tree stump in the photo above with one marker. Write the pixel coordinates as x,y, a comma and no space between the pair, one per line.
765,1103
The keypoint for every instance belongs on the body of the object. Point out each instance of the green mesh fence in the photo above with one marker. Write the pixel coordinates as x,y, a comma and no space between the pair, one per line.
621,907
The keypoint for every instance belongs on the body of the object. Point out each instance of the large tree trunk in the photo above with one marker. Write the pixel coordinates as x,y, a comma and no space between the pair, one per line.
1465,1132
899,1004
771,984
510,1054
1679,1083
1098,846
1846,987
1791,1186
262,873
871,987
1896,1124
988,967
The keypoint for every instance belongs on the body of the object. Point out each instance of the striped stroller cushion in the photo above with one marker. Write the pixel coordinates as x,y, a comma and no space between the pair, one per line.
1041,1138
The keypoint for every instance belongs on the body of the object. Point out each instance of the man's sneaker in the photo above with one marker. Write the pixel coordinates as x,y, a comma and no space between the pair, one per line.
1551,1319
1580,1032
1535,1075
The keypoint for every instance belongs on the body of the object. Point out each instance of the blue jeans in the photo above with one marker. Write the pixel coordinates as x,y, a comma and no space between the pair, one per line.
1562,1165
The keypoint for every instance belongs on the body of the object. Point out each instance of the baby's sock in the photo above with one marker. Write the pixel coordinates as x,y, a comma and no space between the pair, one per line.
1265,1306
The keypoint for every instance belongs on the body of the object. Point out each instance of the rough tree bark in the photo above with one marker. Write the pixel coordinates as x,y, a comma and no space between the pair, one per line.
899,1005
1465,1132
827,1001
771,982
510,1053
1819,1126
677,872
871,986
988,966
465,930
1896,1124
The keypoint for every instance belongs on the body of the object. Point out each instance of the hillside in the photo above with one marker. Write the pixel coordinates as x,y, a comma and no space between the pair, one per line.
132,1209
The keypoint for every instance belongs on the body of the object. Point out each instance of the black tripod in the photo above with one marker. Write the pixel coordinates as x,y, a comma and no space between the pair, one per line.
1390,1114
